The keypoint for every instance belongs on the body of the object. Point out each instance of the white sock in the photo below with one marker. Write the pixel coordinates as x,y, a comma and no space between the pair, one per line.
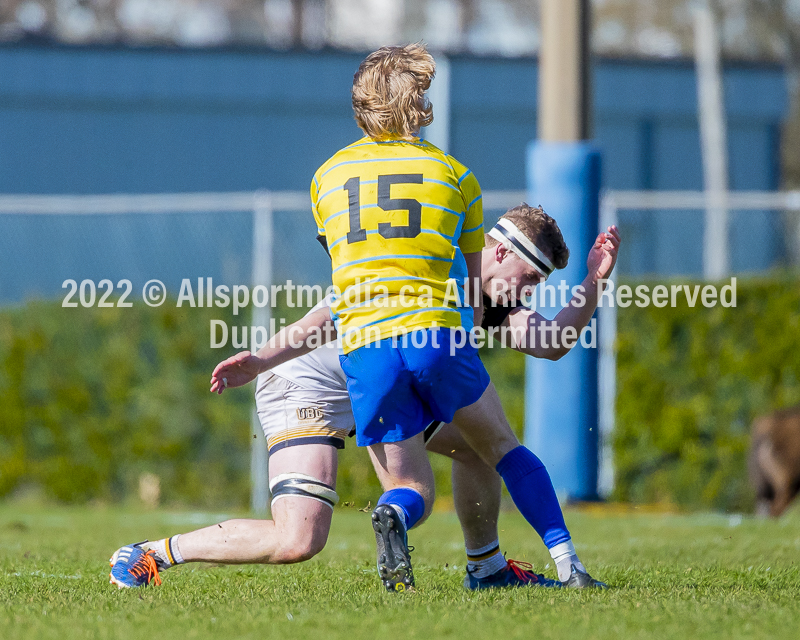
485,561
564,556
166,550
400,513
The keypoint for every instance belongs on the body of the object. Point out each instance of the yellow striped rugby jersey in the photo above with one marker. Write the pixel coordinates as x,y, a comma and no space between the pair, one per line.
397,218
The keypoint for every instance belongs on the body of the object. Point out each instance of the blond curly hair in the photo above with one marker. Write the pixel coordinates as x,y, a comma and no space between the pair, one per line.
389,92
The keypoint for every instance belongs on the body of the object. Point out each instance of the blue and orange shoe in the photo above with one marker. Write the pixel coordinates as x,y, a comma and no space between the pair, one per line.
132,566
514,574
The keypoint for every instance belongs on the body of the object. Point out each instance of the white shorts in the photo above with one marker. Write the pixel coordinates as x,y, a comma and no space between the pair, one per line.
291,415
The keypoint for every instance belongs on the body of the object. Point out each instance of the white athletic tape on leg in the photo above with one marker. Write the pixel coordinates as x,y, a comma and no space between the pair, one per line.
300,485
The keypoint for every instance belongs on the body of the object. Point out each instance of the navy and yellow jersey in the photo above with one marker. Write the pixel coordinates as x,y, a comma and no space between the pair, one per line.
397,218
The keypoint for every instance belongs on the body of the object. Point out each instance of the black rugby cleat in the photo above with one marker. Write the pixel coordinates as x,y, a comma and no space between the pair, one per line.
582,580
394,554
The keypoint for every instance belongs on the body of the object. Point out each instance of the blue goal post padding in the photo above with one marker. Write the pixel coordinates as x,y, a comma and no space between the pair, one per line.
561,404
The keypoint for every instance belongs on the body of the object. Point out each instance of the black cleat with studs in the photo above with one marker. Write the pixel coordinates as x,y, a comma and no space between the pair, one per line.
394,554
582,580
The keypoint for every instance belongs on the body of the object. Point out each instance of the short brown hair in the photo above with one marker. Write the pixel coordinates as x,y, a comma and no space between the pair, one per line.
389,92
540,229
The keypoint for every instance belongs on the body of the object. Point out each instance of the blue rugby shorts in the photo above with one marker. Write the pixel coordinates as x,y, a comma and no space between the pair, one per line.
397,386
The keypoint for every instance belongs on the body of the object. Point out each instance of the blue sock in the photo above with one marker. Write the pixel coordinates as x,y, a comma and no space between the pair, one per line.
410,502
532,491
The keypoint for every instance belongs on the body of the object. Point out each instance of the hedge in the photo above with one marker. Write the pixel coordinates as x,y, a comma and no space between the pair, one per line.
93,398
689,383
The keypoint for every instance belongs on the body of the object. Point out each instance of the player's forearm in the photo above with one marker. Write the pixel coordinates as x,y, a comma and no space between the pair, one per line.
279,350
580,309
299,338
553,339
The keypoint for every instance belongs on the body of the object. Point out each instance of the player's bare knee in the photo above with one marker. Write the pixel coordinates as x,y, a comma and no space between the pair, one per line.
302,507
300,544
302,531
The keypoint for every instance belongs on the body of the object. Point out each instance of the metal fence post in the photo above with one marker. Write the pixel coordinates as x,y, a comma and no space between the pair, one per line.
261,275
713,139
607,368
438,132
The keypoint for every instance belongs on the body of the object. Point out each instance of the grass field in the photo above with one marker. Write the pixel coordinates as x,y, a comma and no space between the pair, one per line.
674,576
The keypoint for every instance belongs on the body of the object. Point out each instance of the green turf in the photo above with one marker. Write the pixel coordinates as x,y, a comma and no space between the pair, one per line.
694,576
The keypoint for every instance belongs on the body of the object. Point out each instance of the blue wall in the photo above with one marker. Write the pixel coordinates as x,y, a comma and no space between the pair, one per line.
105,120
95,120
86,120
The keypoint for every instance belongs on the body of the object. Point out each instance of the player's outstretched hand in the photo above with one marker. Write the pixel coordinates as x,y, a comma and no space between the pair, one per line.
236,371
603,254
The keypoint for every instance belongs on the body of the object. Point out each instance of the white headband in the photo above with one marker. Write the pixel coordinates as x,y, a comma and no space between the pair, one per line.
507,232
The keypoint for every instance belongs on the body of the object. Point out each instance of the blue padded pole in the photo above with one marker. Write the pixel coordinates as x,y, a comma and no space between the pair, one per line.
561,418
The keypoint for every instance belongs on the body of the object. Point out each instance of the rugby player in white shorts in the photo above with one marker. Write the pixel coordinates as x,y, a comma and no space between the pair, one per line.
304,410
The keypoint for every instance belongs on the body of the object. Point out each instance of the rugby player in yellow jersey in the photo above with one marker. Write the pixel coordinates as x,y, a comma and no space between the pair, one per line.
403,224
